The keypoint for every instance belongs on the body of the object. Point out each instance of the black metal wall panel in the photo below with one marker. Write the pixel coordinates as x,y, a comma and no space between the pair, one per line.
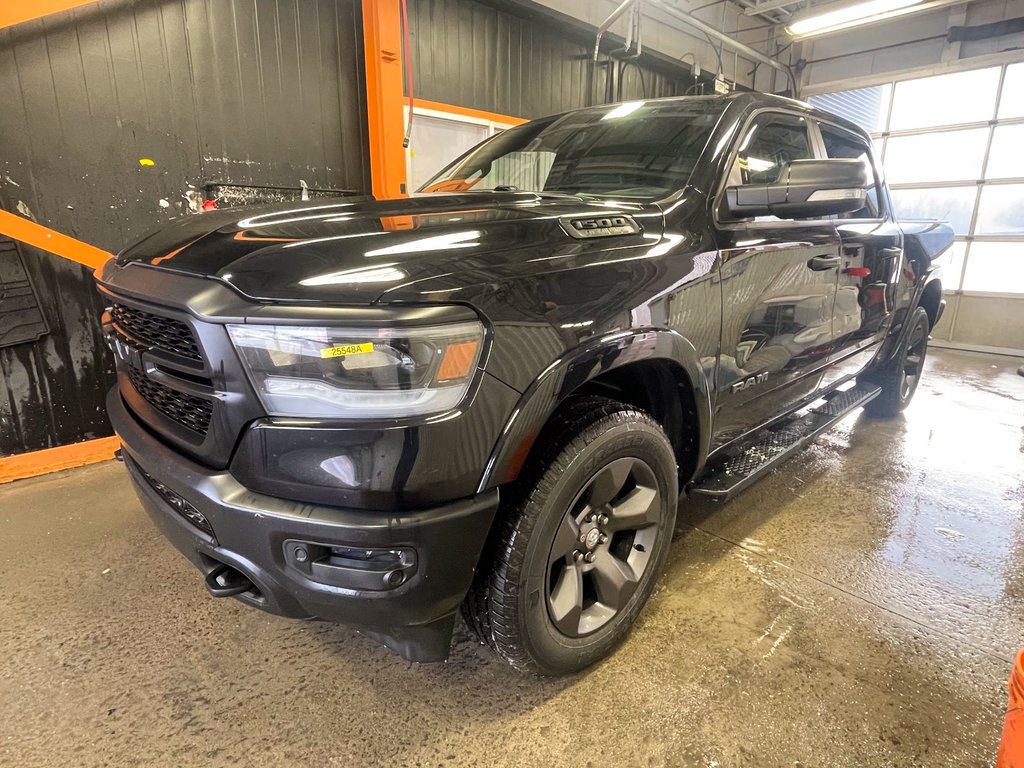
21,317
502,57
115,114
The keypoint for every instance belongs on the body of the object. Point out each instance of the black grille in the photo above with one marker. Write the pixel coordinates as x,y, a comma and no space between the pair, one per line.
159,332
191,412
178,503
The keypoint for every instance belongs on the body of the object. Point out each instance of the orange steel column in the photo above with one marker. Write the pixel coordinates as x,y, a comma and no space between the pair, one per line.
26,231
17,11
382,45
1011,748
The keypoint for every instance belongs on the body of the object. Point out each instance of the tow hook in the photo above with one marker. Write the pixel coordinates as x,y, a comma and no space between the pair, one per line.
225,581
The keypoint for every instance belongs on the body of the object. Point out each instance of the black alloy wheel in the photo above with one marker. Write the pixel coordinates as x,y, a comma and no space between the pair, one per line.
913,362
603,547
581,537
900,377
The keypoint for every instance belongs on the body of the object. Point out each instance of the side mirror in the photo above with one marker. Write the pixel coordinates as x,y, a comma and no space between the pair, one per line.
806,189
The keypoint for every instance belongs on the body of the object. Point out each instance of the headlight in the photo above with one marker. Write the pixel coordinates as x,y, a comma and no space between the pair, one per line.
359,373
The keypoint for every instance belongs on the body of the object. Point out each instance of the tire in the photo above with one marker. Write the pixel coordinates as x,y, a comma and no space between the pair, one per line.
900,377
546,601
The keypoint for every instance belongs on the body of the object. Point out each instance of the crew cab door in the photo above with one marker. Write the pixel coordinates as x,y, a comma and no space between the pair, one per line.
778,282
872,258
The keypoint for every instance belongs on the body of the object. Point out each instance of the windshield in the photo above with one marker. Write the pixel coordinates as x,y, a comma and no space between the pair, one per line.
638,150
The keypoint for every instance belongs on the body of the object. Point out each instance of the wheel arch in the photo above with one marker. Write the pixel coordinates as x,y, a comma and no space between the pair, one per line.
931,300
658,370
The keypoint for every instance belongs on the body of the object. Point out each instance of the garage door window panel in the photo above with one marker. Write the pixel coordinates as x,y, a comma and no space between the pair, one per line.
1011,104
927,156
995,268
956,98
1006,158
953,269
953,204
1001,210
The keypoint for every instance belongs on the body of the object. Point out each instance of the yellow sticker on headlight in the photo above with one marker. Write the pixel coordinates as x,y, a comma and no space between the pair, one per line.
343,350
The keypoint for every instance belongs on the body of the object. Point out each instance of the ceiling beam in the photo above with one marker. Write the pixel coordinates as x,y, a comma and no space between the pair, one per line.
729,42
756,9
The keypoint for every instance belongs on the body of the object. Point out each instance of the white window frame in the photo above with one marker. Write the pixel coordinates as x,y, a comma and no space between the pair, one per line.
493,126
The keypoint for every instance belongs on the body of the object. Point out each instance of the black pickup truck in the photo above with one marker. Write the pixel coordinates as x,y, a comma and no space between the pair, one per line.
492,393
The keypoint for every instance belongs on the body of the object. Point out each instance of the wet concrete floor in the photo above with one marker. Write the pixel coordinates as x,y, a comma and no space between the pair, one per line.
859,607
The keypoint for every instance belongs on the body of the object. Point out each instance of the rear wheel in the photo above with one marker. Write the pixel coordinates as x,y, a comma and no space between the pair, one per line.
583,535
900,378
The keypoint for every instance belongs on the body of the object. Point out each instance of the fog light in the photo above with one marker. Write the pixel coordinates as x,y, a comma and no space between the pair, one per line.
357,568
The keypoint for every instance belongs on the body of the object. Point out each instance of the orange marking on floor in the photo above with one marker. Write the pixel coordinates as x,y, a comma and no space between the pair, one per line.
49,460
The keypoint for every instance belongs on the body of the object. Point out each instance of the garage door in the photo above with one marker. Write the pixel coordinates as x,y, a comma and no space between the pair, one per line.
950,145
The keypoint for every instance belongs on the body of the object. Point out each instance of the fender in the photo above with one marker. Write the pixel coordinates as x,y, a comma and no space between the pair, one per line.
924,243
574,369
898,334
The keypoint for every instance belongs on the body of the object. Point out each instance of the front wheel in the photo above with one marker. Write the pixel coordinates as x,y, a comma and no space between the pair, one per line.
901,376
583,536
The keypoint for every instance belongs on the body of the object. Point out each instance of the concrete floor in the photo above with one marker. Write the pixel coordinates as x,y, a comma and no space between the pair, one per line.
859,607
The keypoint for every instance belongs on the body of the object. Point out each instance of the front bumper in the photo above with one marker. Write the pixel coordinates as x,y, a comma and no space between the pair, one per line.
298,557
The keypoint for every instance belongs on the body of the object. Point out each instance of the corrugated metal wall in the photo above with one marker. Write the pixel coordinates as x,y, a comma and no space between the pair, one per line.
498,57
242,91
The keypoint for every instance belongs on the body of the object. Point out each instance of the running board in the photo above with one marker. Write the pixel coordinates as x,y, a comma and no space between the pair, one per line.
727,476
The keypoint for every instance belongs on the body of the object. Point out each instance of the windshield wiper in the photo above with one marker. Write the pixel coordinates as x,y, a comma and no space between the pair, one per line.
512,188
587,195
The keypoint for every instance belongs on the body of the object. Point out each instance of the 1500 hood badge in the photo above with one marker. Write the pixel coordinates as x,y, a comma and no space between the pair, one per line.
583,227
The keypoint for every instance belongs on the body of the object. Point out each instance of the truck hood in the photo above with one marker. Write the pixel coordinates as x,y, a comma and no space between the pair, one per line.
362,250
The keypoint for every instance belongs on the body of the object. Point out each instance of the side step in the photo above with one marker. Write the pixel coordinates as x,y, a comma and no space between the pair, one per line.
728,475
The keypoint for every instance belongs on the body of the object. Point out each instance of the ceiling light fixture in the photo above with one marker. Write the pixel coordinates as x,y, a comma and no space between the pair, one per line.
840,16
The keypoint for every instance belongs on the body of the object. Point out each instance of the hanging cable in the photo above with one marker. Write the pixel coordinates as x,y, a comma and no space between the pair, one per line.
718,54
407,63
622,77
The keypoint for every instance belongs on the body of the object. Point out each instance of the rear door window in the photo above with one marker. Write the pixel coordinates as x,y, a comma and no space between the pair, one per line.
842,144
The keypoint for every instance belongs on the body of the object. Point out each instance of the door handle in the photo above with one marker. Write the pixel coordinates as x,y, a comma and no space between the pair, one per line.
890,253
821,263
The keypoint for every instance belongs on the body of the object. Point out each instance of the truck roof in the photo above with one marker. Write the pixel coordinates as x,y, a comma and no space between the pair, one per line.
743,99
